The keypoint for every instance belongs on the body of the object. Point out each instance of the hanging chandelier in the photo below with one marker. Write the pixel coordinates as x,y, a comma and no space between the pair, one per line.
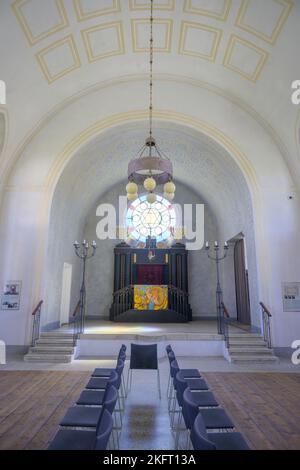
150,167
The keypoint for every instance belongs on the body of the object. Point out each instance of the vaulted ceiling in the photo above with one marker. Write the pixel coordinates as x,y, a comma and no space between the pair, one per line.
52,50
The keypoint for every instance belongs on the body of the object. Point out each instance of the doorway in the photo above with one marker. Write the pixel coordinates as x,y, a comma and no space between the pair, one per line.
241,283
66,294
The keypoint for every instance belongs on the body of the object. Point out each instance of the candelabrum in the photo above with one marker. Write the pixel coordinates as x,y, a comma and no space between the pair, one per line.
84,251
217,257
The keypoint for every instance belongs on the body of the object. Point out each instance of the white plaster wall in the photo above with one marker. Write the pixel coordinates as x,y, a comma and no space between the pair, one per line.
100,268
203,111
192,348
17,261
97,166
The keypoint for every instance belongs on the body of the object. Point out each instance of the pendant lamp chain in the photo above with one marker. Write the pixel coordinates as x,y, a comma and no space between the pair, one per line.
150,167
151,73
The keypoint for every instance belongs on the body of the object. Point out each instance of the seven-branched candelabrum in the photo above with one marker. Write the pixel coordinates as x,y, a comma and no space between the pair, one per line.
84,251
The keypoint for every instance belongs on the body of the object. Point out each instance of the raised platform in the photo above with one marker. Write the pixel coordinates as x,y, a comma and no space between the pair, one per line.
103,338
150,316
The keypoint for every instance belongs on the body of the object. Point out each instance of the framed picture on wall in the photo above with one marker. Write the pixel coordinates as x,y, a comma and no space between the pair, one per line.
10,299
291,296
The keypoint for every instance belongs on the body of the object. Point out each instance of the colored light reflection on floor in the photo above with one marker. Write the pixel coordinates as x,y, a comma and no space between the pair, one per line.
118,329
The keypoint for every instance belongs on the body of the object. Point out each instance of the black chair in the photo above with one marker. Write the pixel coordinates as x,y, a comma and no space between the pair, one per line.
143,357
214,418
70,439
177,375
207,397
93,395
193,384
98,383
203,397
88,416
104,372
187,373
201,440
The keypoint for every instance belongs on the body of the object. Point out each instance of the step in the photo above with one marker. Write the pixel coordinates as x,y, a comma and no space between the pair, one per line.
258,358
245,335
56,335
50,358
52,350
247,342
250,351
54,342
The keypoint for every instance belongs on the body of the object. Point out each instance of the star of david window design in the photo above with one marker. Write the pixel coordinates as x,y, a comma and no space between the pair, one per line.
155,220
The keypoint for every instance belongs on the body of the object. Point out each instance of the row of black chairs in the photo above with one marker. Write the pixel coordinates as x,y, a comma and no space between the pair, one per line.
195,411
95,421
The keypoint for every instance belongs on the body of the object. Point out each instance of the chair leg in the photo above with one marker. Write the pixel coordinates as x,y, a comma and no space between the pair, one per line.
127,384
169,380
188,442
170,400
123,391
173,411
113,440
170,388
117,440
158,383
120,411
178,430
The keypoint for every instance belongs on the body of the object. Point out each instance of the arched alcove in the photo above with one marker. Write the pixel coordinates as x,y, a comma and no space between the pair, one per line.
205,173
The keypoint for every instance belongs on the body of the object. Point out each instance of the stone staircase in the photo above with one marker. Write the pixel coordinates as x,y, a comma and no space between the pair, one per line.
52,347
249,347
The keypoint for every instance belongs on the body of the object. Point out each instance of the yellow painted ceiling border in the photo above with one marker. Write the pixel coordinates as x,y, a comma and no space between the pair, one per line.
185,25
189,8
40,56
288,6
82,15
86,33
32,40
233,41
134,6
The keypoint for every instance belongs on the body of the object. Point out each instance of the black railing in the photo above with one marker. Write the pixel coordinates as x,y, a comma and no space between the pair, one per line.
179,301
77,322
123,300
224,323
36,323
266,318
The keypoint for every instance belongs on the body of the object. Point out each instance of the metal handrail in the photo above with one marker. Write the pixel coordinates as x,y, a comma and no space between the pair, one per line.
265,309
36,323
76,309
77,321
266,316
225,321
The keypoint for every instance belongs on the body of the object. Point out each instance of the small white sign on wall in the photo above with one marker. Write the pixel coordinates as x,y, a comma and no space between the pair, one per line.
291,296
2,352
10,299
2,92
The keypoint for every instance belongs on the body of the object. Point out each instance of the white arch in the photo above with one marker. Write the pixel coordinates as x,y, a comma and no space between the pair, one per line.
43,159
